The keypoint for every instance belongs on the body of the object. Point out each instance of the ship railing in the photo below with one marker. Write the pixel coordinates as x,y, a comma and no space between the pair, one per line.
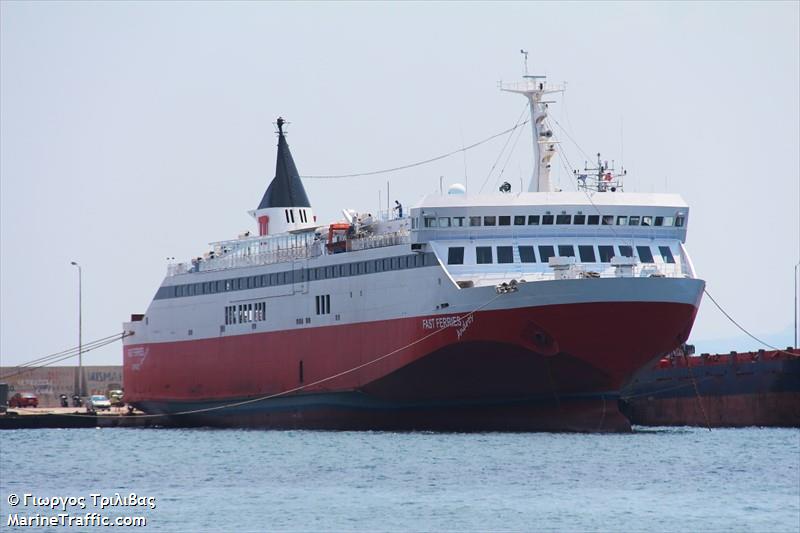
378,241
242,260
481,277
252,256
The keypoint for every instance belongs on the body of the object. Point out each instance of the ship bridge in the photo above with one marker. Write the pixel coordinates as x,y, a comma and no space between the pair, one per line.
481,240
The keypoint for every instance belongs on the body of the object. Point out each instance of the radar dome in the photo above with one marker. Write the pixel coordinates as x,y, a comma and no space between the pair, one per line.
457,188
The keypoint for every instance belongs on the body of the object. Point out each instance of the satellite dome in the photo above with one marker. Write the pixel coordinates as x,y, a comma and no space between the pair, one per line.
457,188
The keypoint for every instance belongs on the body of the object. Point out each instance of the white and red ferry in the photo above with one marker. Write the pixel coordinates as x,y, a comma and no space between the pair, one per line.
508,311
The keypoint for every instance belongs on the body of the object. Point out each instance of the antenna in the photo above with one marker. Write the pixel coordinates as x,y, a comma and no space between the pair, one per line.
525,53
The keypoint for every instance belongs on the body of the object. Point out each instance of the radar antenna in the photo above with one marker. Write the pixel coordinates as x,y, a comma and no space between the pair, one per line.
602,178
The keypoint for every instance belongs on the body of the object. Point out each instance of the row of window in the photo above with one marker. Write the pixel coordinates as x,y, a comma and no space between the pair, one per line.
548,220
527,253
323,304
301,275
242,313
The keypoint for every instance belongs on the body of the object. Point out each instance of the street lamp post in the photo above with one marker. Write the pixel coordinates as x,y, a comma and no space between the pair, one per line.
80,330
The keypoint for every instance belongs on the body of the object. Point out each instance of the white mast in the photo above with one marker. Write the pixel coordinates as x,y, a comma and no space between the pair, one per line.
544,147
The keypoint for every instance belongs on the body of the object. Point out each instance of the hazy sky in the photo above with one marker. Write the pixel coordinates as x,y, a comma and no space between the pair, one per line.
132,132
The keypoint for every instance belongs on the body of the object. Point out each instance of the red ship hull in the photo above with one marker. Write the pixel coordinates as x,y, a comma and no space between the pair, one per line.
556,367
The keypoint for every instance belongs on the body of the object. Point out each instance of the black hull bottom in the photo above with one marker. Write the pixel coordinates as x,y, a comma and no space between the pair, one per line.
357,411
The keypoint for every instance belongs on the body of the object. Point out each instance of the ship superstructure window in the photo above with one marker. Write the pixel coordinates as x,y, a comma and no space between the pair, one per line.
593,220
519,220
634,221
489,221
626,251
323,302
622,221
586,253
297,275
546,252
579,219
526,254
563,219
606,253
483,255
666,254
474,221
645,255
566,250
505,254
455,255
286,212
533,220
230,314
668,221
647,221
505,220
679,221
547,220
260,311
458,222
430,222
444,222
608,220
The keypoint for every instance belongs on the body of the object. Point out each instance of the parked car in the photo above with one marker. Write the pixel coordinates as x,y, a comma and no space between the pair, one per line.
24,399
115,397
97,402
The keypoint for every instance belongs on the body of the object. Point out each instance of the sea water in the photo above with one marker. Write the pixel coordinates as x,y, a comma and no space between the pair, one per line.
654,479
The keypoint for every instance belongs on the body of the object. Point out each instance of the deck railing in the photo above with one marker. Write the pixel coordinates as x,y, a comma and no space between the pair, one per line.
247,253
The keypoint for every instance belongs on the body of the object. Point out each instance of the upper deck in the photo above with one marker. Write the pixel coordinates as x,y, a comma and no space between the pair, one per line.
623,215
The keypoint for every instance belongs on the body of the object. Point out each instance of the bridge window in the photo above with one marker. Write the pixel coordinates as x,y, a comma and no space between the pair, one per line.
679,221
566,250
563,219
634,221
622,221
505,220
608,220
526,254
668,221
593,220
505,254
547,219
458,221
587,253
626,251
533,220
489,221
545,253
455,255
645,255
579,219
430,222
483,255
647,221
666,254
474,221
444,222
606,253
519,220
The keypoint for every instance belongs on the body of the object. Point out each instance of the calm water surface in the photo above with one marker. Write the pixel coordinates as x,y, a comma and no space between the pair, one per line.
683,479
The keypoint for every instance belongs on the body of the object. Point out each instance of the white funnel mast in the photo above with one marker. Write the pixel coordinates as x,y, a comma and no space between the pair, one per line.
544,147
